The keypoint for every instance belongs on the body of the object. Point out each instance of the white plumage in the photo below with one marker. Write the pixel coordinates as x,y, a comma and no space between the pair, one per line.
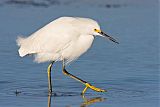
64,38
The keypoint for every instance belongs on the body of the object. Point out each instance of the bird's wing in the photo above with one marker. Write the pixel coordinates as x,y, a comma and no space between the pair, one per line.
51,38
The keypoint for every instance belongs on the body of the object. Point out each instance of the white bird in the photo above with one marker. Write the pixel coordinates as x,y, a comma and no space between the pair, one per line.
64,39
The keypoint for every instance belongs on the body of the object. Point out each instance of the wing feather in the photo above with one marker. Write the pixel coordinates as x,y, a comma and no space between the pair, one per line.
52,38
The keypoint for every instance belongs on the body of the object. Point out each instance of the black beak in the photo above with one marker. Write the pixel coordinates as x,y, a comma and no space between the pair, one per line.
109,37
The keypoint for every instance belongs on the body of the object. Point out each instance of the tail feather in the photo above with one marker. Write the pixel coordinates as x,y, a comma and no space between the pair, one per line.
22,52
20,42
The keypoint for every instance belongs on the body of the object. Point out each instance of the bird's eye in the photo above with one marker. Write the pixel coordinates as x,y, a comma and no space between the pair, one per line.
96,30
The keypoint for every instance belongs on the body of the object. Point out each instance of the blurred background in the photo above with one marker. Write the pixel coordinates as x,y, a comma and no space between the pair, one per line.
129,71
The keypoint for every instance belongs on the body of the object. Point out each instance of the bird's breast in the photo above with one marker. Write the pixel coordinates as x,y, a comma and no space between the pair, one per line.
84,43
77,47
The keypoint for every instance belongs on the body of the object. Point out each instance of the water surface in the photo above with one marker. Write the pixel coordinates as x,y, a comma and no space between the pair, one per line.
128,71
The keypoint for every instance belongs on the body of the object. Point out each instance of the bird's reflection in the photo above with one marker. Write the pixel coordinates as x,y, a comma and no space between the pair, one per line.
89,101
86,102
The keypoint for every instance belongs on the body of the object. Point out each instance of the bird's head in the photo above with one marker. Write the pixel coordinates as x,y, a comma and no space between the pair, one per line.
96,31
91,27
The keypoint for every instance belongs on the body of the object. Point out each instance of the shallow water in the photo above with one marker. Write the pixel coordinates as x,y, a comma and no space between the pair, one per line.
128,71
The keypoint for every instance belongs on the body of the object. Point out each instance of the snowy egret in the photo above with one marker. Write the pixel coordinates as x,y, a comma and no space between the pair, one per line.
64,39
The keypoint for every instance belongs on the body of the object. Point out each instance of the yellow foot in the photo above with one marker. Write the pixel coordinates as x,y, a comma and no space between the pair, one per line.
93,88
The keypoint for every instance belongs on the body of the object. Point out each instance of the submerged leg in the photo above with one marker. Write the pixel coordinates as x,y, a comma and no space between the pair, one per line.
49,78
82,81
